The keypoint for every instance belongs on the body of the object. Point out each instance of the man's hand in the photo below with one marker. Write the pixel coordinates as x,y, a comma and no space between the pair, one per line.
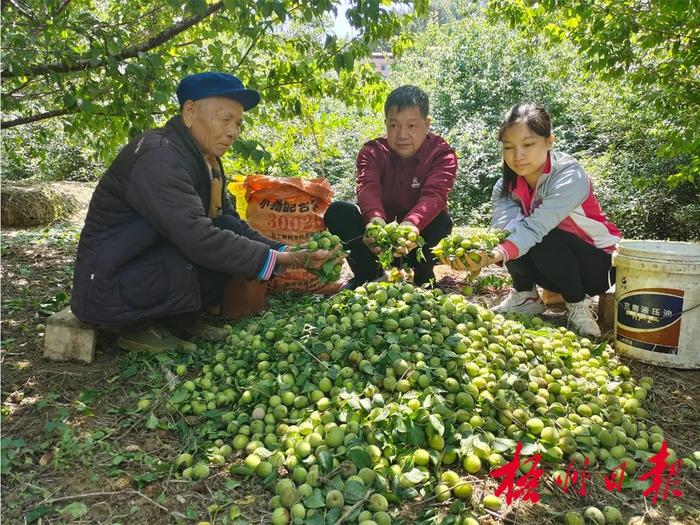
370,241
306,258
410,239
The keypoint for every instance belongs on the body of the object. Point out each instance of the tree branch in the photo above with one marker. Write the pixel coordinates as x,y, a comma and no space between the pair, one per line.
130,52
35,118
26,12
61,7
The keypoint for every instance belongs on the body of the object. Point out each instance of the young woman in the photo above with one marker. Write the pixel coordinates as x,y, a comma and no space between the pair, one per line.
560,238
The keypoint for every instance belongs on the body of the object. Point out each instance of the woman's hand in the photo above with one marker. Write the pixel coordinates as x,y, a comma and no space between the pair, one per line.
467,264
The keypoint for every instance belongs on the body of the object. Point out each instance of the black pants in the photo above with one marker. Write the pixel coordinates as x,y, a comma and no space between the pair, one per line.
211,283
563,263
344,220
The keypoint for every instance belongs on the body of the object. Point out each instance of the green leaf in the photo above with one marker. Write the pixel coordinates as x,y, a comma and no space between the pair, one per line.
417,476
501,444
74,510
325,461
129,372
151,422
529,449
359,457
338,62
232,484
180,395
436,424
280,10
316,500
316,519
354,491
231,5
333,516
416,434
371,331
242,470
37,513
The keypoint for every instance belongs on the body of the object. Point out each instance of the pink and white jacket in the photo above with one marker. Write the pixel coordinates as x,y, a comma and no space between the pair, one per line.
563,198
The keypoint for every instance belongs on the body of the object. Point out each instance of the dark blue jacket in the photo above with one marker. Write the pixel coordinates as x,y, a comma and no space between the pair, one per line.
147,232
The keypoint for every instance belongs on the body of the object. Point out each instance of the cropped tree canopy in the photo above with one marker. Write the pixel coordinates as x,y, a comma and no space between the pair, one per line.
653,44
109,68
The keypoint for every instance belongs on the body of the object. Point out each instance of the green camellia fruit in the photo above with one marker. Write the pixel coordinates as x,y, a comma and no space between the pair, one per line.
573,518
184,460
421,457
335,499
535,425
280,516
472,464
335,437
382,518
463,489
200,471
377,503
612,515
492,502
442,492
594,515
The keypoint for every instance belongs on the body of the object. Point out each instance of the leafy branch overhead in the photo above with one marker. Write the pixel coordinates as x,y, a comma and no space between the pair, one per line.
655,44
110,69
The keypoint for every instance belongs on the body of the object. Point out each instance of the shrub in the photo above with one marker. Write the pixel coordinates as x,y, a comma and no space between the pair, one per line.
474,70
43,153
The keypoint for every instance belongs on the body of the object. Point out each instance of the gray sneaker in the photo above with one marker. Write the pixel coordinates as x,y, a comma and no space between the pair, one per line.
583,319
524,302
154,338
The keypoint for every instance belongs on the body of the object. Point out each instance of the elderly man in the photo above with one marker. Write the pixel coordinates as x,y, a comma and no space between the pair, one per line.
161,237
405,176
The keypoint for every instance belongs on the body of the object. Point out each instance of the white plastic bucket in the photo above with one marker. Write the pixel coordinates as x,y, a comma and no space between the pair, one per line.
657,293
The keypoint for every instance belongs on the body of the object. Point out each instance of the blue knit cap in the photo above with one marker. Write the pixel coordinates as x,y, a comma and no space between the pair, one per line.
214,84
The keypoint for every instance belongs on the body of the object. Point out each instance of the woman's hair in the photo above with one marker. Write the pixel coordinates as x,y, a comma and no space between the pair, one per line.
534,117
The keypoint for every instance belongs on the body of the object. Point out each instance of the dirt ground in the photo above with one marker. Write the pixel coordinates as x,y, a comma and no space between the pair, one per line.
74,448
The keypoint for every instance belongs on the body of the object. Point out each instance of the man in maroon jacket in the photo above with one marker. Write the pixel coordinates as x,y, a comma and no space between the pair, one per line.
405,176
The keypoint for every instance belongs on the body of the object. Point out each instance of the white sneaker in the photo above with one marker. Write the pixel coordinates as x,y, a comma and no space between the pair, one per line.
583,319
524,302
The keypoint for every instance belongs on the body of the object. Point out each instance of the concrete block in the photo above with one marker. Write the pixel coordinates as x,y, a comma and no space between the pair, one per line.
68,338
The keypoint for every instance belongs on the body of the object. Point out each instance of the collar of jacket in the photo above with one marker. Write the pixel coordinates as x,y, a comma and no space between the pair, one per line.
522,189
177,126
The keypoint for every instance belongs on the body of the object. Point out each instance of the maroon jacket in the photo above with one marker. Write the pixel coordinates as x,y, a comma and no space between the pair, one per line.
413,190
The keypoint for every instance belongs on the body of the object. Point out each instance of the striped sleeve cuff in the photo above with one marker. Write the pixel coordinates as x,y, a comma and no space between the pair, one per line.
508,250
269,266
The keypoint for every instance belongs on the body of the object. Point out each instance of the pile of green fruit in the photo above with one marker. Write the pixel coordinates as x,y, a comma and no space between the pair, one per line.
325,240
458,247
394,240
346,407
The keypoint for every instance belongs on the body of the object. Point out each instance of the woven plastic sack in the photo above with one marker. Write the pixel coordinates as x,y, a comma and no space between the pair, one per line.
289,210
237,189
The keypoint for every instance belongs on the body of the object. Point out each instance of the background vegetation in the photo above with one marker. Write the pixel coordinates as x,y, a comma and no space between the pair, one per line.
619,78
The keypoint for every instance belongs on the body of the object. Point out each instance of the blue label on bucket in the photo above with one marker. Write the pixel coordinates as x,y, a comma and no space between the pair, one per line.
649,310
650,318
